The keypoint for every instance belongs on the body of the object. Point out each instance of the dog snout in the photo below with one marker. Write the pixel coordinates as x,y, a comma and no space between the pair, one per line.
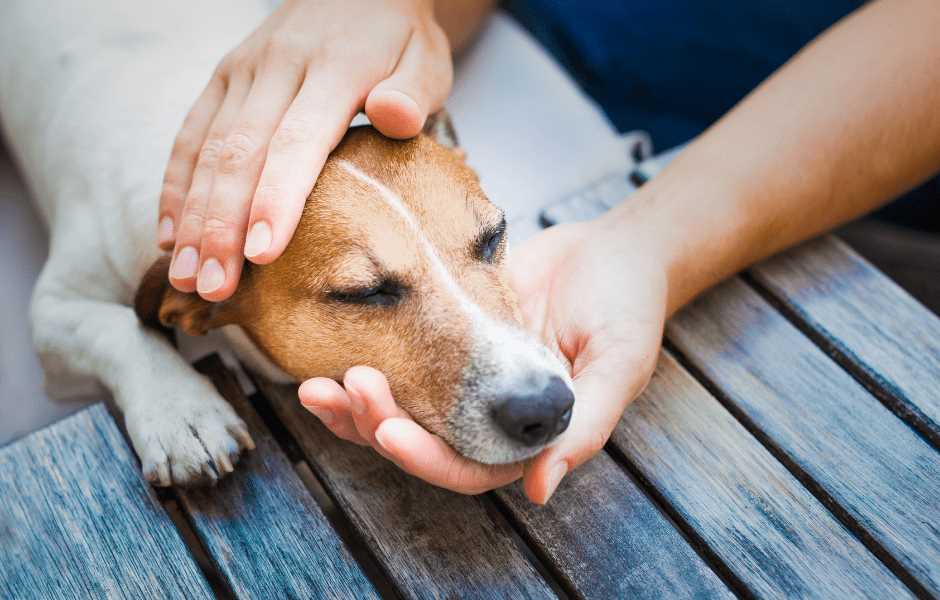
534,414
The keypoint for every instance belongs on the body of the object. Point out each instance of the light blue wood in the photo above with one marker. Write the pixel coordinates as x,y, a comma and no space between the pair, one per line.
607,539
78,521
430,542
874,467
872,326
777,539
260,525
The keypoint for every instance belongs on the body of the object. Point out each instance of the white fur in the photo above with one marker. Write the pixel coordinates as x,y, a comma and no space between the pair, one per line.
503,356
91,94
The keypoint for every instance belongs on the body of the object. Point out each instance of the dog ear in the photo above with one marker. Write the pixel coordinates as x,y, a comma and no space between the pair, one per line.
440,128
160,305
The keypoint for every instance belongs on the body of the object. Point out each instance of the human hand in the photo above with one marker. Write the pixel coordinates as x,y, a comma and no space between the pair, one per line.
598,302
252,146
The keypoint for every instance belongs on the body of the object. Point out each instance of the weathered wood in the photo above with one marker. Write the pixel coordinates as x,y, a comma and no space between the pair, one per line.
260,525
431,543
866,322
840,440
78,521
606,539
777,539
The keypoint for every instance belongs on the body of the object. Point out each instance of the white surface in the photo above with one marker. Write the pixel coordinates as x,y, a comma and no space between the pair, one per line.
527,129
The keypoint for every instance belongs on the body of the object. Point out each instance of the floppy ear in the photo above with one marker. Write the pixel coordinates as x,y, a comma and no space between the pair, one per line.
441,129
160,305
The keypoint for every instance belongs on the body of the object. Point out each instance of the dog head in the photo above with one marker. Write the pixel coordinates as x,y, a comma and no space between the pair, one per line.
397,263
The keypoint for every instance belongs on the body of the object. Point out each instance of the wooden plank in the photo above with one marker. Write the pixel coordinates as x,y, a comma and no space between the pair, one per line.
777,539
876,471
867,322
431,543
606,539
260,525
78,521
600,534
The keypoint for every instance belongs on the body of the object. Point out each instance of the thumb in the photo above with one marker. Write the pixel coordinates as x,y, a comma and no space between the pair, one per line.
603,389
419,85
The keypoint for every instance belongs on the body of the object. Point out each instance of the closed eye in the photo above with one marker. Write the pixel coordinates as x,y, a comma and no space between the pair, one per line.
385,293
490,242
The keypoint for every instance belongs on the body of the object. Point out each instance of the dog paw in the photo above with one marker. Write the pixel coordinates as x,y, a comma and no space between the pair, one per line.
187,441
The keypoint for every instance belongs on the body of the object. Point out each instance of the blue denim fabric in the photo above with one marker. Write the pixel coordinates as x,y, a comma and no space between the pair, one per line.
673,67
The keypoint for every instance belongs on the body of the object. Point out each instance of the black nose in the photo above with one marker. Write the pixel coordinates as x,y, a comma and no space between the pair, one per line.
537,413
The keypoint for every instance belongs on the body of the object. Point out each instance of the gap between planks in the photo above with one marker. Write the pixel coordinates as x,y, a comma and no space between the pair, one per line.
892,399
171,503
807,481
343,525
335,515
670,512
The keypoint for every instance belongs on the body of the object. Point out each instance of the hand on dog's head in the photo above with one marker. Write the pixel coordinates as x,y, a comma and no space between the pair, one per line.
397,263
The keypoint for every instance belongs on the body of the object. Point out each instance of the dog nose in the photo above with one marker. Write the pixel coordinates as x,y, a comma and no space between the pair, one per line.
534,416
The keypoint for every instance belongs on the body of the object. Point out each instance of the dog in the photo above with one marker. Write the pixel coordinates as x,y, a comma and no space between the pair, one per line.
397,262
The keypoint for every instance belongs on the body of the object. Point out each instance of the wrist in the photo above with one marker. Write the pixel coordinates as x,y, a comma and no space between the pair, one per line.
690,228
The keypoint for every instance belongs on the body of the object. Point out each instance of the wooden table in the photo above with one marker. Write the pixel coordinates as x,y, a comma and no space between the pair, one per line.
787,446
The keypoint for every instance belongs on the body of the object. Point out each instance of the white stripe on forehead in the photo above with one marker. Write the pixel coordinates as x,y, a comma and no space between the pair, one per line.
391,199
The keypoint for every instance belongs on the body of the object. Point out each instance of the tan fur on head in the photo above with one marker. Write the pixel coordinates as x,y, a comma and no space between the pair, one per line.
403,217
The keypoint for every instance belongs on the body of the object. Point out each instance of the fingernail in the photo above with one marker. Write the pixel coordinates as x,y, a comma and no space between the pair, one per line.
380,438
555,476
165,231
324,414
211,276
259,239
356,402
185,264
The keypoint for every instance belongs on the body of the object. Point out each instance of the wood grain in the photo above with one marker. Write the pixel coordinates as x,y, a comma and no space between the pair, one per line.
608,540
824,424
777,539
78,521
260,525
866,321
431,543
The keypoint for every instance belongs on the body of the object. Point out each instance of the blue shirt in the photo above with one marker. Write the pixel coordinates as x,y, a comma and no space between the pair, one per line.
673,67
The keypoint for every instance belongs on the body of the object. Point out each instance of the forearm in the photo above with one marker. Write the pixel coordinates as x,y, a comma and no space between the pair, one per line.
849,123
462,19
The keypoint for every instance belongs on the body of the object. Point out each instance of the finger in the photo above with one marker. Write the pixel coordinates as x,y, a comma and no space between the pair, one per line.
371,401
419,85
189,229
602,391
429,458
310,129
327,400
179,169
236,176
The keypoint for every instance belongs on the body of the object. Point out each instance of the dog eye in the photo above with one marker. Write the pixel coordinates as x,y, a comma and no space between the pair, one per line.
489,243
386,293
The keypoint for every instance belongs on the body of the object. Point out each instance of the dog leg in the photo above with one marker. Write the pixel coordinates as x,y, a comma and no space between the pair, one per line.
184,432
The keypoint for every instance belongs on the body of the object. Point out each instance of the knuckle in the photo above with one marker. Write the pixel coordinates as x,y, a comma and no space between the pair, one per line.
294,131
210,151
189,228
286,44
219,233
217,226
239,148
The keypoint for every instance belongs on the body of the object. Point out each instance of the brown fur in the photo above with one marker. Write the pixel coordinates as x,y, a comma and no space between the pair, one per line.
347,238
